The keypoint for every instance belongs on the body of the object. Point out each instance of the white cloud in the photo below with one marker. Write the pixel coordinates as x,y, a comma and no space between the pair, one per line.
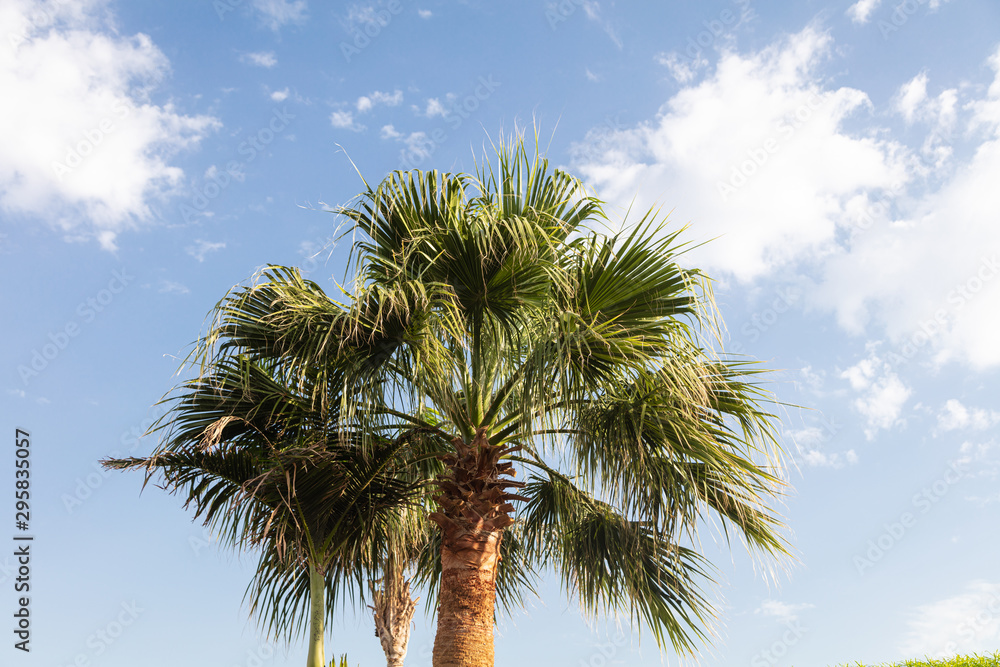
911,95
371,14
814,458
592,9
365,103
957,416
940,113
202,248
434,108
882,275
425,13
90,153
591,76
783,612
172,287
962,624
883,394
809,442
276,14
264,59
756,154
784,171
345,121
982,456
418,146
862,10
280,95
681,68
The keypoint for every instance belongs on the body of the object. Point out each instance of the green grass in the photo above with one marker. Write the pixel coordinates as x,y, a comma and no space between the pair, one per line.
973,660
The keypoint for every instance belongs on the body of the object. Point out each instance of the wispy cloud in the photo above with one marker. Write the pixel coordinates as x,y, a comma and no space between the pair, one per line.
172,287
366,103
264,59
862,10
965,623
275,14
202,248
955,416
344,120
389,132
782,611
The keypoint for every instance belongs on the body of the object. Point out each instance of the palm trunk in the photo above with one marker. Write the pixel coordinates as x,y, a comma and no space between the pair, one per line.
393,610
317,611
475,509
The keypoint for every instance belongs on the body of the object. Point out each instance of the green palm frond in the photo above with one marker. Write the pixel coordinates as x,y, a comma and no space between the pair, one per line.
612,563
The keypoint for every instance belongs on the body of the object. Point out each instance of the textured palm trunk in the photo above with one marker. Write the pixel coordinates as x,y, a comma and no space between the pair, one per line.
393,610
317,611
474,509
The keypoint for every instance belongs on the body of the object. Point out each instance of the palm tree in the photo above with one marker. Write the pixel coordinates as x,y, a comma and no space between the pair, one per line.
496,314
268,469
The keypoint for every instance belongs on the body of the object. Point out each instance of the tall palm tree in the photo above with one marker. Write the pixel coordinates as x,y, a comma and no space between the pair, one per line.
496,313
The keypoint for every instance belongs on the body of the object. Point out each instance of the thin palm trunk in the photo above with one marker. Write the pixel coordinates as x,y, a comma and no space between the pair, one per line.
475,509
393,611
317,610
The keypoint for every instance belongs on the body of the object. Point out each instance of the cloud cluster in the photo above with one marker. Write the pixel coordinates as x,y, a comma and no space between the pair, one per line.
882,394
91,151
344,118
956,416
788,173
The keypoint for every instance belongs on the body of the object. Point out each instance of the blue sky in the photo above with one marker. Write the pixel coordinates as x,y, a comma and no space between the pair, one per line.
843,158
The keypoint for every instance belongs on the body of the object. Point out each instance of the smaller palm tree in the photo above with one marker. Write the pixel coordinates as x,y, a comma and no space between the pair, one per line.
266,470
